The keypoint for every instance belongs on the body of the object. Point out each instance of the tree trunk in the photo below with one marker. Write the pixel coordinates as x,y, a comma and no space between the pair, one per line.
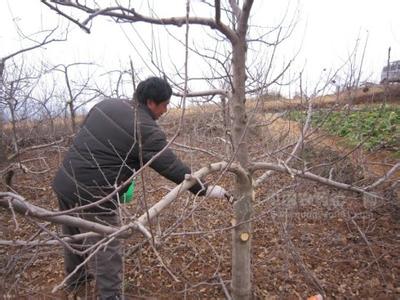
241,234
238,102
3,156
226,118
72,115
241,241
14,136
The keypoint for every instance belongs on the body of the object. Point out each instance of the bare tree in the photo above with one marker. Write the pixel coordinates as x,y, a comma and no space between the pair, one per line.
78,93
16,86
6,87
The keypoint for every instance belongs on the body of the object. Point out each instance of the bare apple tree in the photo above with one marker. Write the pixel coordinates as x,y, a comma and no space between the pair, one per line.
236,35
78,91
17,82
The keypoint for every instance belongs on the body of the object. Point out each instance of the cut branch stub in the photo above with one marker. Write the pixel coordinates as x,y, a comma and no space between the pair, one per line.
244,236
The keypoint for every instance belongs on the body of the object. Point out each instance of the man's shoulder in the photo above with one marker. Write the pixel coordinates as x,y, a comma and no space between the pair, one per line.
116,109
114,103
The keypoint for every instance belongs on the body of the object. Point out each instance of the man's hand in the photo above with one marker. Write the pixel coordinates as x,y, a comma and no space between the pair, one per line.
216,191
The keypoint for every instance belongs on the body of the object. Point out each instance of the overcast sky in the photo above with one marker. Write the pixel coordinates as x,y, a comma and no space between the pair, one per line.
326,33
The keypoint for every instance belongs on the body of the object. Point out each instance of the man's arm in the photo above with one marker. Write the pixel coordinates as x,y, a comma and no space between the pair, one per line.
167,164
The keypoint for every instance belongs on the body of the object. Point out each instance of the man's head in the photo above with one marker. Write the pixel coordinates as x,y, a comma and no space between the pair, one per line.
155,93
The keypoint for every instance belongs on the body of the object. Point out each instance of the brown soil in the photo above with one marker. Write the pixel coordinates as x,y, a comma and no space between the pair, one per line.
307,238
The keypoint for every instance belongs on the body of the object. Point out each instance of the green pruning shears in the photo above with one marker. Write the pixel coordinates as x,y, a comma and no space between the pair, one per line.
128,195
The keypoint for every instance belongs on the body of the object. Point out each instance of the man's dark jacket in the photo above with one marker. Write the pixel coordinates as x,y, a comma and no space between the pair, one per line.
105,152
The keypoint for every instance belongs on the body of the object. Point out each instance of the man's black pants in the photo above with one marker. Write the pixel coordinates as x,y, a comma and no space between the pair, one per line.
105,264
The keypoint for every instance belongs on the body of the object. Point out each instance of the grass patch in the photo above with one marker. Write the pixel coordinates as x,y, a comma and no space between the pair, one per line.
375,126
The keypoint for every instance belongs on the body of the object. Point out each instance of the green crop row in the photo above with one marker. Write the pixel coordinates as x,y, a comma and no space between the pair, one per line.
375,126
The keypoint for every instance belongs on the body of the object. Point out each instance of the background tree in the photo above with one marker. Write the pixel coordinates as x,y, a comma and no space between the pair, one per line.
8,89
79,93
16,85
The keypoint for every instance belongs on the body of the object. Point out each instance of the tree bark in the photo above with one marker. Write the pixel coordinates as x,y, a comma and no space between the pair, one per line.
241,240
72,115
243,208
3,155
226,118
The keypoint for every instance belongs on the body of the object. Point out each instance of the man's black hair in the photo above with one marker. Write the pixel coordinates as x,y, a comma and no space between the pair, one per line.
153,88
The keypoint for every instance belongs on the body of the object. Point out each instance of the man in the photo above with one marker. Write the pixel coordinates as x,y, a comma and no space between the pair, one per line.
113,142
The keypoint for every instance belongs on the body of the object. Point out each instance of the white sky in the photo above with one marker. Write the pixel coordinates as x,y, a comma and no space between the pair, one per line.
326,34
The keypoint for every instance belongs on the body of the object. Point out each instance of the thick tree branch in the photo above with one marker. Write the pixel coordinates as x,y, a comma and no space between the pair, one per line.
244,17
218,11
203,93
122,14
388,174
20,205
86,29
308,175
187,183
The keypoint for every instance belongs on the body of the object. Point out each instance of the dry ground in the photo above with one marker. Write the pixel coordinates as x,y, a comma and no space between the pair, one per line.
307,238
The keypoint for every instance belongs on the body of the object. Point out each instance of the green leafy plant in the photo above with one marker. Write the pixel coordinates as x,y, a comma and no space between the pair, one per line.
373,126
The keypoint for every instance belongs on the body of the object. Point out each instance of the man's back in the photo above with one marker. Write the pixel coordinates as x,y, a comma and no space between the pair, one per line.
105,152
